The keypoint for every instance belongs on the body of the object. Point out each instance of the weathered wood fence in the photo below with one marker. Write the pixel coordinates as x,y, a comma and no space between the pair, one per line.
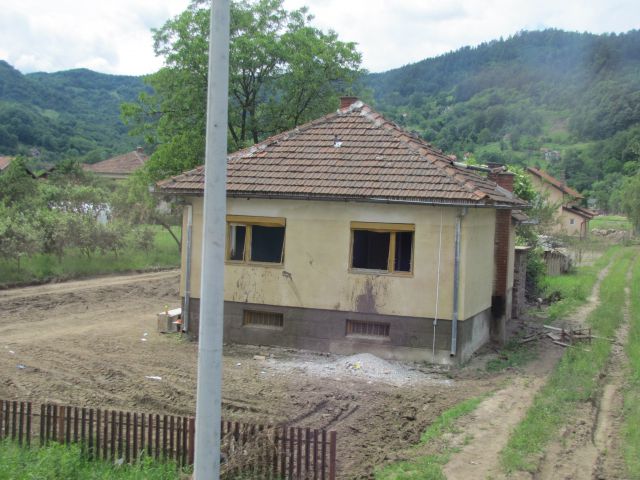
280,452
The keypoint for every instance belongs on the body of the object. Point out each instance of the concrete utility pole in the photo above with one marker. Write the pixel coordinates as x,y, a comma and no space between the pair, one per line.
209,395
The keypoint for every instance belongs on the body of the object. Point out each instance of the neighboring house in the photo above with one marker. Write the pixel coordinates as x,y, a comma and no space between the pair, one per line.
4,163
119,167
348,234
572,219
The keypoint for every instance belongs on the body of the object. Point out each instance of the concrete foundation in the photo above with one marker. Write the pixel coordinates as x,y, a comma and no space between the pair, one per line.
409,339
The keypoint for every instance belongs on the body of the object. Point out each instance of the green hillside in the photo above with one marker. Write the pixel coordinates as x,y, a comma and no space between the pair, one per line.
74,113
567,102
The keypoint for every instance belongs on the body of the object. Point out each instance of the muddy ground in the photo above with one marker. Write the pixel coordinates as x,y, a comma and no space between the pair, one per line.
94,343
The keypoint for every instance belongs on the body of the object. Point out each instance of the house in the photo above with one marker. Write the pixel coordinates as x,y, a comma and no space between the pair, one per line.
572,218
4,163
348,234
120,166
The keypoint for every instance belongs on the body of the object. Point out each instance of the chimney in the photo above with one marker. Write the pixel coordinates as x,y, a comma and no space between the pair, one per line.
501,176
503,258
346,102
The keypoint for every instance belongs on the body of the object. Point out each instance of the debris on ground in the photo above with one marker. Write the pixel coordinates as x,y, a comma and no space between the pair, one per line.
364,366
153,377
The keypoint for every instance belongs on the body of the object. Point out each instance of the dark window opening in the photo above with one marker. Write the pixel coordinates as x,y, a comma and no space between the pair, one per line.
237,235
404,244
368,329
371,249
254,318
267,244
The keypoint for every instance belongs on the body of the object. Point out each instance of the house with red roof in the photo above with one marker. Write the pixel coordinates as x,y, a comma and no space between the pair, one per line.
572,219
118,167
348,234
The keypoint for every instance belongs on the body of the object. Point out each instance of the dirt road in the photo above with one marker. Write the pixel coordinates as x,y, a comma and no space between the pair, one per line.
93,343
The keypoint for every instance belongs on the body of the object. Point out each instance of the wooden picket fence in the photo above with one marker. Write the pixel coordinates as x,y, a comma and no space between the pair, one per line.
266,452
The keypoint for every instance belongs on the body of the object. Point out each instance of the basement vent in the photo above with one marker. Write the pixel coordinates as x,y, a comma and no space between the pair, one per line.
254,318
367,329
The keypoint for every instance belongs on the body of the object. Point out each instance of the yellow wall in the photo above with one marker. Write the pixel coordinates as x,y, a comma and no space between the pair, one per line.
316,266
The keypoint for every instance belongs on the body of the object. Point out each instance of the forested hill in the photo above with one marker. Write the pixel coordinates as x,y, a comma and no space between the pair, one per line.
75,113
569,102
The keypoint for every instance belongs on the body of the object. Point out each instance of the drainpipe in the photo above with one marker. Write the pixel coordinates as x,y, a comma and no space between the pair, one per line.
187,273
456,283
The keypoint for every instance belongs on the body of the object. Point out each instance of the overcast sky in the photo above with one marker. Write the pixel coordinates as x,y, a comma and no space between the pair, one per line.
114,36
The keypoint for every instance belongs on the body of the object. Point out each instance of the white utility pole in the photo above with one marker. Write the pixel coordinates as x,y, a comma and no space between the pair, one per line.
209,395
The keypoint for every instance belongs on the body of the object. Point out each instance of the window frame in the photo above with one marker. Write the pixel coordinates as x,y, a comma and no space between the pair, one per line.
392,229
248,221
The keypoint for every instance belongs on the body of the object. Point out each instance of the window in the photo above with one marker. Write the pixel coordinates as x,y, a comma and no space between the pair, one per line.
572,221
254,318
255,239
383,247
367,329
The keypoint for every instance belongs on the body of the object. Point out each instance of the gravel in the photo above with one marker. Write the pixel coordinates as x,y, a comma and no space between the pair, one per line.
364,366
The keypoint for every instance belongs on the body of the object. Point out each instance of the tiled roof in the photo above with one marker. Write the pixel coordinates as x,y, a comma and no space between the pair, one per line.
555,182
4,162
581,211
122,164
353,153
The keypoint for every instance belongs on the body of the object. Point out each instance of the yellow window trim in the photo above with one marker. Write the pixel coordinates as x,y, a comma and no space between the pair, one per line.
253,220
391,228
248,222
383,227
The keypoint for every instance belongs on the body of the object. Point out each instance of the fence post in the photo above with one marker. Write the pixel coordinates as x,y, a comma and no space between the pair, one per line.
28,439
192,437
332,455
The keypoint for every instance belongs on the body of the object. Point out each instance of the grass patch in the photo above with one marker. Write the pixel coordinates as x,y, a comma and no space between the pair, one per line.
574,380
59,462
573,289
44,267
429,467
512,355
614,222
630,430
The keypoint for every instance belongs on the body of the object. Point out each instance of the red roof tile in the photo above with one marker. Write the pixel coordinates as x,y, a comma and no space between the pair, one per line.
122,164
4,162
354,153
555,182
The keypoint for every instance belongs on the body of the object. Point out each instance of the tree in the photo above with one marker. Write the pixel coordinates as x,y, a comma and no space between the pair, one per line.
630,194
283,72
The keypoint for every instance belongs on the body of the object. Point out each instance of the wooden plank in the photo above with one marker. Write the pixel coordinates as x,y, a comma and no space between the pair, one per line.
142,434
299,461
307,448
150,435
178,452
120,434
192,438
28,438
171,435
83,430
21,420
185,436
90,433
61,423
292,437
157,452
113,434
164,437
43,412
333,441
127,439
50,423
274,458
315,454
54,423
67,436
283,452
324,453
105,435
14,419
135,437
75,425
